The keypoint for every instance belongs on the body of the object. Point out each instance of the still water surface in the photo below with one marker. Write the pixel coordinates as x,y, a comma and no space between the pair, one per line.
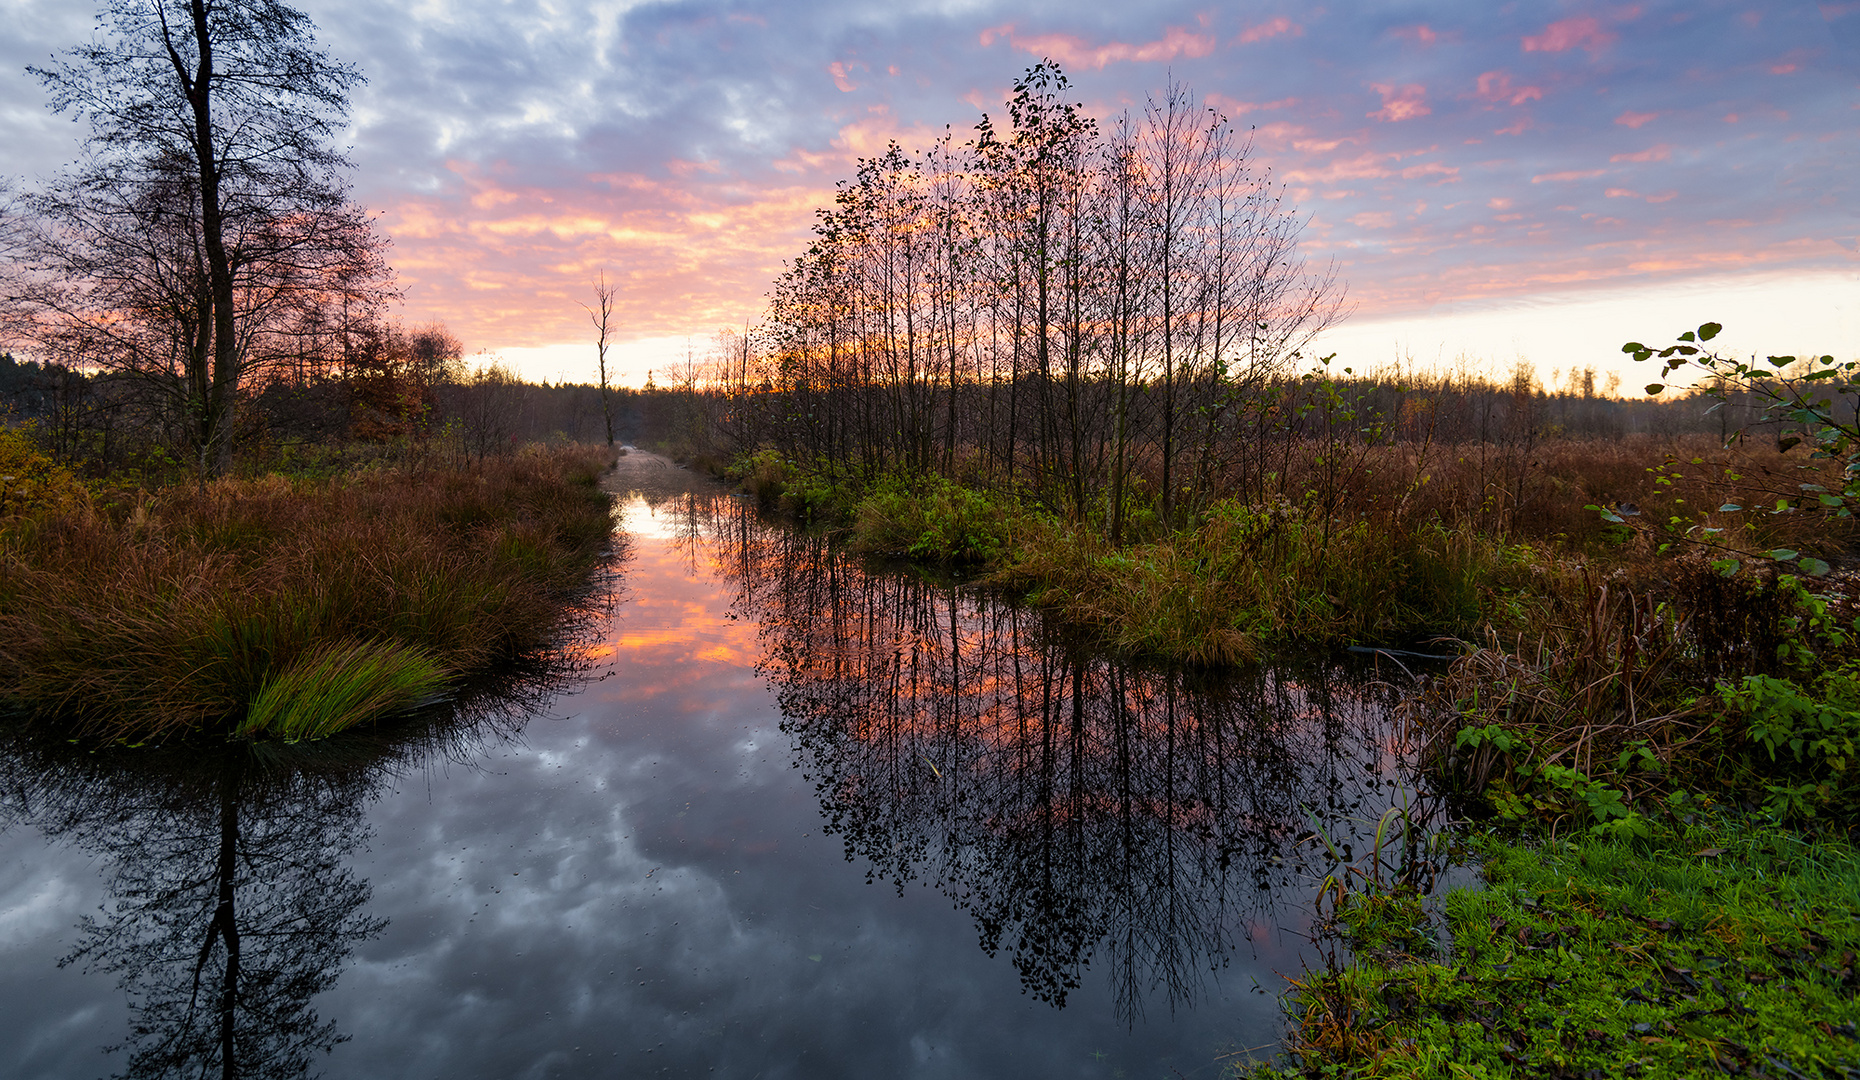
792,817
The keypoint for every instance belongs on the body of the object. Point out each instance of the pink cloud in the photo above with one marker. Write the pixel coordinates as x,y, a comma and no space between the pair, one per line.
1447,173
1584,32
1271,28
1373,219
1621,193
1636,119
1075,52
1233,107
1563,177
840,79
1495,86
1790,62
1519,127
680,167
1367,166
1422,33
502,262
1278,131
1652,153
1400,103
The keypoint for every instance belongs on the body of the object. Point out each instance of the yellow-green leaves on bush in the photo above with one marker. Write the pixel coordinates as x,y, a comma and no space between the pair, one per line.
30,482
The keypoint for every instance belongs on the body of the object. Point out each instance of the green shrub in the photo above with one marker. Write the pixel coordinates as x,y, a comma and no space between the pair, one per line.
936,520
1802,740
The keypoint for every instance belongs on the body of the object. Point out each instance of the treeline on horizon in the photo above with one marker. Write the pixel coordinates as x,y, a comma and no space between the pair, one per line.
404,394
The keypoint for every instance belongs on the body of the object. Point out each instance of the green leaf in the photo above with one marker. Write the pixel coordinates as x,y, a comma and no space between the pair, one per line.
1729,508
1782,554
1814,567
1654,387
1709,330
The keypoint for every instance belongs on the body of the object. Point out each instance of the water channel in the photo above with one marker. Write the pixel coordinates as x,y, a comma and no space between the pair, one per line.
782,814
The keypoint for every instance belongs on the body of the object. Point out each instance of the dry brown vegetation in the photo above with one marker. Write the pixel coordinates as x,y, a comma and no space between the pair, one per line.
191,609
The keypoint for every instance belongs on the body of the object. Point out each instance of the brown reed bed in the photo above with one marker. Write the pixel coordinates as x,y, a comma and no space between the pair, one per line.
294,609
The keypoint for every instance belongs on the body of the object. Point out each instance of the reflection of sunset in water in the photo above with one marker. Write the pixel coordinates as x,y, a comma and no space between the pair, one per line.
693,859
1081,809
679,621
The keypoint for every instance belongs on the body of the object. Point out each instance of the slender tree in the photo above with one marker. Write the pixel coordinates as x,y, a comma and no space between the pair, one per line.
210,159
601,315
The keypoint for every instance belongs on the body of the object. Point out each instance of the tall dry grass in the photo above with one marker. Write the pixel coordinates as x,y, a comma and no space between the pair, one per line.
296,609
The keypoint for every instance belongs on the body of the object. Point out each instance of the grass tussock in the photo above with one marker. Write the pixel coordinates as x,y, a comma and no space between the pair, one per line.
291,608
333,687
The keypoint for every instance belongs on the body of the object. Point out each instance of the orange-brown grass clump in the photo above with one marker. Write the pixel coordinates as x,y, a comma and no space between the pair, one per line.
271,607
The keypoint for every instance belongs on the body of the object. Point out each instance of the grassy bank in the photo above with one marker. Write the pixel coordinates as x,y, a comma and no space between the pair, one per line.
1669,797
1657,743
1707,946
279,608
1413,543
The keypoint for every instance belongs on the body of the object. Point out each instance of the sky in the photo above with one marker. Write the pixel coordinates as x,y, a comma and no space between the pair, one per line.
1493,183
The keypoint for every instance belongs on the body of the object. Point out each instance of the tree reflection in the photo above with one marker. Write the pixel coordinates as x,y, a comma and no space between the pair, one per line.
1073,804
232,903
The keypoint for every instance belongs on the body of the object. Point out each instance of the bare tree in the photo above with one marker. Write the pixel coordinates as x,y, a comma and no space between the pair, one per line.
601,314
209,215
1092,315
489,406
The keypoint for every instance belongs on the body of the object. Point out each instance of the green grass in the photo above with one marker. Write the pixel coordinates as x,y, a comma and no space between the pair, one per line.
336,686
1723,947
1245,579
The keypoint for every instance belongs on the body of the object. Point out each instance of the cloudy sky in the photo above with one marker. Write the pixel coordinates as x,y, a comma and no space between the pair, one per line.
1519,180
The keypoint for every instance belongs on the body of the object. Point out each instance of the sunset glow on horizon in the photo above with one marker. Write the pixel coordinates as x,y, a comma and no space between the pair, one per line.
1537,182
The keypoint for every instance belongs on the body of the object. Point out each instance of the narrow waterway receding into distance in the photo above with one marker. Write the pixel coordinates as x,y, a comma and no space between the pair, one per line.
788,816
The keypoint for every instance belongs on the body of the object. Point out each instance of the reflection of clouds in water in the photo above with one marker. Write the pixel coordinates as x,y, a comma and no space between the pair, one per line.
32,906
588,934
680,623
54,1018
660,883
640,882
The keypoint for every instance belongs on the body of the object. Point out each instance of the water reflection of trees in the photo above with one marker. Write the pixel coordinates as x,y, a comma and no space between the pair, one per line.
1075,805
231,901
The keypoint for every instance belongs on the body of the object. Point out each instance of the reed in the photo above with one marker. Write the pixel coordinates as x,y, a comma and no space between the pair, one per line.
291,608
